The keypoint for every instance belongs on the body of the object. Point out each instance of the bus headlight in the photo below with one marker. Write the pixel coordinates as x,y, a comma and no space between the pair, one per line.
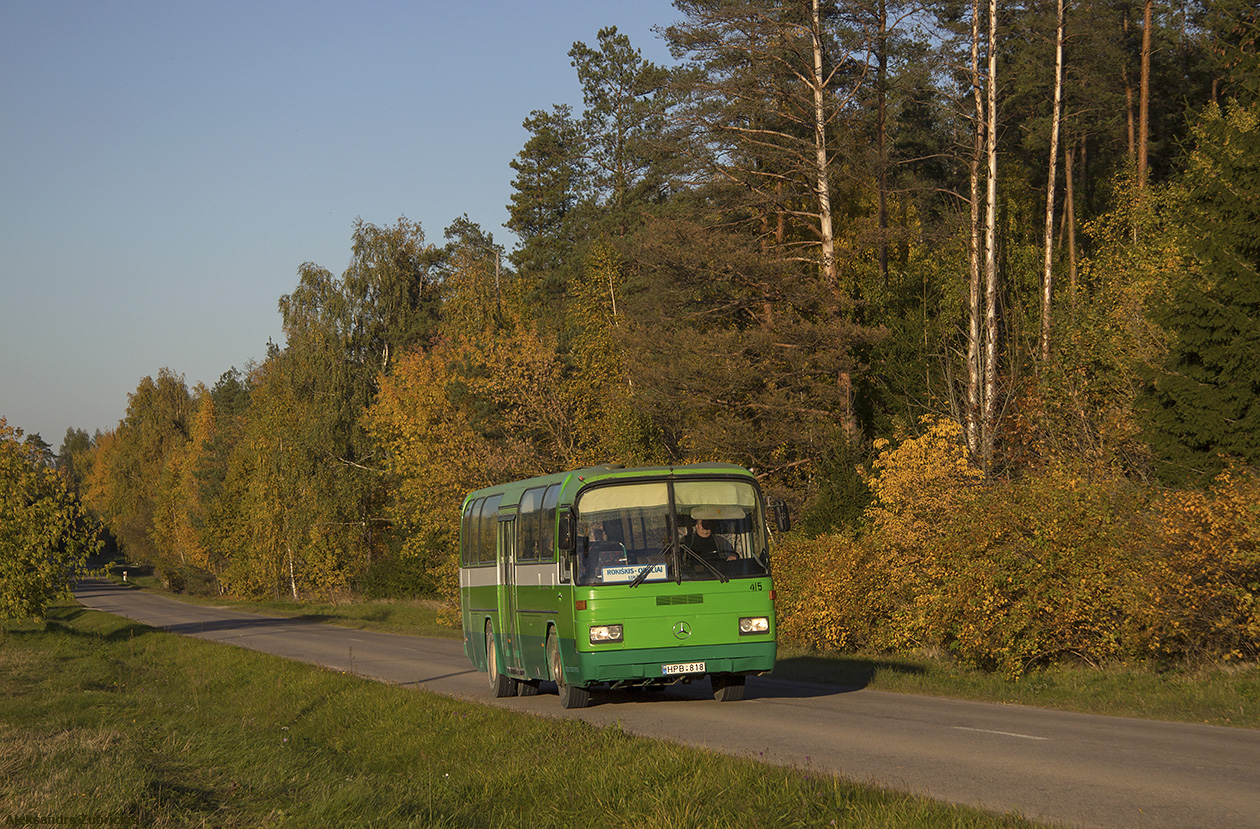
605,634
754,624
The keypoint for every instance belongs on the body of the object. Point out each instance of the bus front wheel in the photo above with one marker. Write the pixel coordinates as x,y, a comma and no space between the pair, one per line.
727,687
570,696
500,684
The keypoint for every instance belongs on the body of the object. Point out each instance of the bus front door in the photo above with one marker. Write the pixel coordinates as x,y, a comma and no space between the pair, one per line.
507,597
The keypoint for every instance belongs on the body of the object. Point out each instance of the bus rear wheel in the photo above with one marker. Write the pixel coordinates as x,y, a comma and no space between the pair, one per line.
570,695
501,685
727,687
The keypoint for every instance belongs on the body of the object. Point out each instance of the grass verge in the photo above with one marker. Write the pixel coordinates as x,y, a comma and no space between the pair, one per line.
1219,694
108,722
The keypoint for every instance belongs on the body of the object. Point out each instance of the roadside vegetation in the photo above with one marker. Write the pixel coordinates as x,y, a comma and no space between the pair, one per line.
1226,695
1025,455
109,722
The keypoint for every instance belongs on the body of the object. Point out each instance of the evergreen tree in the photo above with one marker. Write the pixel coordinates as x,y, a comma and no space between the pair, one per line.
1204,402
550,177
622,123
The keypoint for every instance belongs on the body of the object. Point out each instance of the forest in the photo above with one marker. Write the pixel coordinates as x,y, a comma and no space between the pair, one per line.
973,286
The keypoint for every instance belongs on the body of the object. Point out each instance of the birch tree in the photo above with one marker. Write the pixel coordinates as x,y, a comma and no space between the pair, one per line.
989,412
1048,273
980,413
45,538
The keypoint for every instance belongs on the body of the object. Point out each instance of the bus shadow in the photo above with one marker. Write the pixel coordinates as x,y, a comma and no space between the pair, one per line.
797,677
839,673
792,684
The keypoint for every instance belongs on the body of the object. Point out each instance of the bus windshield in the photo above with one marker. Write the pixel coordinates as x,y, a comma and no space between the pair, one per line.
627,533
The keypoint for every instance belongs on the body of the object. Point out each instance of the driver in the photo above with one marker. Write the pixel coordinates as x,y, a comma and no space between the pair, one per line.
703,542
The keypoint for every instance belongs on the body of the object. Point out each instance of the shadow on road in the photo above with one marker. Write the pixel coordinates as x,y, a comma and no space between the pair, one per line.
846,673
235,623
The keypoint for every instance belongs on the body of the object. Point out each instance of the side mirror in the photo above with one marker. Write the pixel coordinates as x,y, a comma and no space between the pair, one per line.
782,520
564,532
564,541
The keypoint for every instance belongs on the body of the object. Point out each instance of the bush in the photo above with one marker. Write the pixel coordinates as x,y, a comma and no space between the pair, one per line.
1042,569
45,537
1004,575
828,593
1205,581
184,578
1069,563
401,577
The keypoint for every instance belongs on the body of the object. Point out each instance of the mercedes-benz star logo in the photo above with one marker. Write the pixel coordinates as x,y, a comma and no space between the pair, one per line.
682,630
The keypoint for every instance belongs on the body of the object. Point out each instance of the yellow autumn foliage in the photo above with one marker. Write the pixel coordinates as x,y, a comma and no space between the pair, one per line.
830,593
1070,562
921,481
1204,584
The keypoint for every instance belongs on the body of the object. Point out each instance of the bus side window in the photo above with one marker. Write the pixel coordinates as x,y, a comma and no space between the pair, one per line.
468,534
547,538
528,517
487,546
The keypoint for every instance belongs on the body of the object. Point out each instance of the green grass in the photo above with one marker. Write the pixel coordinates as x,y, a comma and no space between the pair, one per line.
417,617
1217,694
106,721
1220,695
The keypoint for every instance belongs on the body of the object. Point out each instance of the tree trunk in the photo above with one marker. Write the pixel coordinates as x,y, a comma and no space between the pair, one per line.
881,133
826,238
1069,220
989,419
1144,96
1128,95
974,306
292,573
1048,274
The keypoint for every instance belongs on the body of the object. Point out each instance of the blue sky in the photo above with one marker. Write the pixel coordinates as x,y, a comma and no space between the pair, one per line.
166,167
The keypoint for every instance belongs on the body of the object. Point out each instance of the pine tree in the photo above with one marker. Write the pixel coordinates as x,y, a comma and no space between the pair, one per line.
1204,402
550,176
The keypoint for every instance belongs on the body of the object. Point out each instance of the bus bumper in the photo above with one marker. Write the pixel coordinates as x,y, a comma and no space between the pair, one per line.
647,664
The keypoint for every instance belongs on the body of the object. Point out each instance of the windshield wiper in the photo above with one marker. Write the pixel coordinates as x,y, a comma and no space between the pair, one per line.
643,574
704,561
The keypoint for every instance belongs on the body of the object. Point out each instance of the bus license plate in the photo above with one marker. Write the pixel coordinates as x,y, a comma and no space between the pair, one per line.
683,668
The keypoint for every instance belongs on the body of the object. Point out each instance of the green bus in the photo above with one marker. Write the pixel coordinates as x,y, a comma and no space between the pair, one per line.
619,578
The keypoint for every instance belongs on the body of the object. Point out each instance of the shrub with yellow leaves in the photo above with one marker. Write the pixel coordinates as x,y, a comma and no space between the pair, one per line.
1070,562
828,592
921,481
1044,568
1205,581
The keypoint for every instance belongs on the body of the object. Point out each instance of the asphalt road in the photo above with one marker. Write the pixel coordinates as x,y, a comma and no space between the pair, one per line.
1077,769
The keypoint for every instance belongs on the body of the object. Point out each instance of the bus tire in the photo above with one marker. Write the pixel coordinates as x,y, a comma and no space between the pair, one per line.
526,687
727,687
501,685
570,696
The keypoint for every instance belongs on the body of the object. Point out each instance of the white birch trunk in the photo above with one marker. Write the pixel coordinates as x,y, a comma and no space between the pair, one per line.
988,425
1047,281
972,417
826,236
825,232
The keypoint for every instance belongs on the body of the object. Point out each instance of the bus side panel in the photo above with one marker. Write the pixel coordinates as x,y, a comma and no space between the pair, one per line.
479,602
538,606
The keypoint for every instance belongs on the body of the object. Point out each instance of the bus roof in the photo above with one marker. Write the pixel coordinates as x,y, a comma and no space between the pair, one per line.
575,479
